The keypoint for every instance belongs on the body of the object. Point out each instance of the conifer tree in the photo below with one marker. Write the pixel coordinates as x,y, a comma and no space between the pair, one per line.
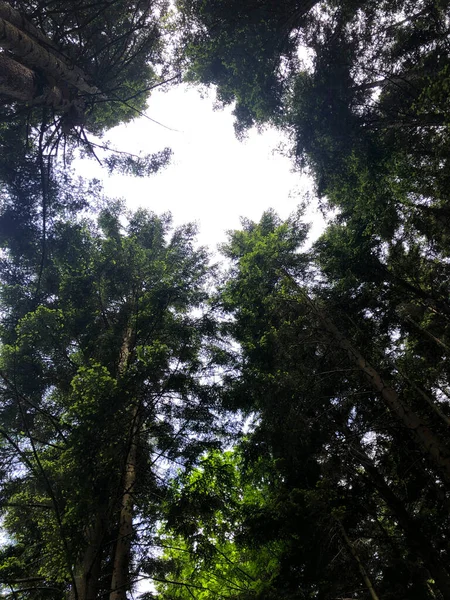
102,381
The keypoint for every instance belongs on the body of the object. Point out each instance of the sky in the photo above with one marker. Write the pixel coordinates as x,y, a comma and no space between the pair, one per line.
213,179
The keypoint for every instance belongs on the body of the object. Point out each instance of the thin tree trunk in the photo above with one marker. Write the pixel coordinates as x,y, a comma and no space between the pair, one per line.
35,55
120,581
364,575
427,333
87,577
432,403
423,434
395,80
417,541
435,449
422,120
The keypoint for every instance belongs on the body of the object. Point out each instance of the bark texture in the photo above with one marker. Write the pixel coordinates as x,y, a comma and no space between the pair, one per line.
120,581
35,55
16,80
14,17
21,83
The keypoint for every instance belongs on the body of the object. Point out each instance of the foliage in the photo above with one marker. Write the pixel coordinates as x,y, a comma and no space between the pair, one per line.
204,539
341,458
113,340
116,44
119,379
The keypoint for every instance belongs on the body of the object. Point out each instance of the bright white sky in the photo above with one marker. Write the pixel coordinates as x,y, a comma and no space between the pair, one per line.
213,179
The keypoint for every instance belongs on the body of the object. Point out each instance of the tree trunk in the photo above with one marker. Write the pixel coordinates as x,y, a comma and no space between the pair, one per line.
423,434
361,568
416,540
18,20
120,581
10,14
434,448
36,56
431,403
88,572
427,333
20,83
16,80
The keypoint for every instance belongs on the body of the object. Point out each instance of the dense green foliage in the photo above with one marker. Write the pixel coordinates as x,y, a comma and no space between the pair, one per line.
277,431
347,477
111,356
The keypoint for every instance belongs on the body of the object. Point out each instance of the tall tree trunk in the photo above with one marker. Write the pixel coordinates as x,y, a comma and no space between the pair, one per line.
422,433
89,568
416,540
434,448
88,572
120,581
34,55
364,575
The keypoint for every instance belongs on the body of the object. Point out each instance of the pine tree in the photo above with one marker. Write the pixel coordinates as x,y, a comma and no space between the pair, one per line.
344,460
100,383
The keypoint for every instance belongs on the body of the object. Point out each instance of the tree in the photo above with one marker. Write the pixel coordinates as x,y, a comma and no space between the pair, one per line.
99,55
353,84
103,380
321,416
70,69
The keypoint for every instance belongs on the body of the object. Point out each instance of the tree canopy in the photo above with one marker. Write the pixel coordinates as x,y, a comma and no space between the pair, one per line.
275,428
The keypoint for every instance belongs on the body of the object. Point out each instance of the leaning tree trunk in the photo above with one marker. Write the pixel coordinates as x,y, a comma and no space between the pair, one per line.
419,543
361,568
16,80
20,83
34,55
13,16
433,446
